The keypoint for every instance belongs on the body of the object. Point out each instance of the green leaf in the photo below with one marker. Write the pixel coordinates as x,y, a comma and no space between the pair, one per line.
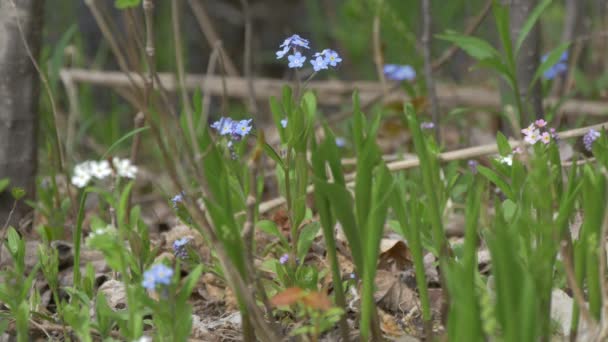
13,240
274,155
123,4
494,178
17,193
475,47
501,15
306,238
189,284
529,24
503,144
4,183
123,139
270,228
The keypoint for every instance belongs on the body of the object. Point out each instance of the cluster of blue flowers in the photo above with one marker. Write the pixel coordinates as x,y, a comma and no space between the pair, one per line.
396,72
159,274
177,199
180,247
589,138
319,61
236,129
558,69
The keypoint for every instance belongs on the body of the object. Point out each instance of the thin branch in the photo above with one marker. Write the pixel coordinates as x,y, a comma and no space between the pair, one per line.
451,51
204,22
462,154
252,105
437,64
428,70
377,47
331,92
565,250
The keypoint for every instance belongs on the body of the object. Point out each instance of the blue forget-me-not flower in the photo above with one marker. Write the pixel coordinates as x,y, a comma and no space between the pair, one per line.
180,247
396,72
296,60
589,138
319,61
159,274
560,68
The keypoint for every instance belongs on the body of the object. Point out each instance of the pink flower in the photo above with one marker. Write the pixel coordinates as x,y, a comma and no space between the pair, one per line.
533,137
545,138
528,130
540,123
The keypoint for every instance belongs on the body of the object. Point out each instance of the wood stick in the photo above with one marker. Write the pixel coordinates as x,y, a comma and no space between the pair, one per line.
332,92
466,153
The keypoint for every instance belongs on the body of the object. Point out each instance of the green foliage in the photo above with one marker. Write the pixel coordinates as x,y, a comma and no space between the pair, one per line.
4,183
124,4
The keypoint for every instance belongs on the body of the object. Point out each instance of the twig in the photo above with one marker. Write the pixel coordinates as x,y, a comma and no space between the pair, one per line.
247,56
248,233
436,66
466,153
572,283
449,53
179,60
428,70
204,22
206,94
5,226
332,92
377,45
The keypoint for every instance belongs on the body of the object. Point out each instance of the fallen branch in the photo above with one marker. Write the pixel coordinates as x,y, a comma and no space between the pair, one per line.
332,92
462,154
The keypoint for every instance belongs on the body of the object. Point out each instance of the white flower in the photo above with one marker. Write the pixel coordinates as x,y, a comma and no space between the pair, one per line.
144,338
100,169
124,168
532,137
507,160
82,174
81,180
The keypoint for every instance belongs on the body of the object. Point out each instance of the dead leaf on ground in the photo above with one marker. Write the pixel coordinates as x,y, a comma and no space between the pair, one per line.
392,294
197,243
430,269
281,218
389,325
115,294
211,288
394,255
317,300
287,297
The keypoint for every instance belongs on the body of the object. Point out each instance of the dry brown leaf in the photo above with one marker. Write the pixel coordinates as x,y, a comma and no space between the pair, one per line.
430,269
392,294
230,300
394,255
317,300
287,297
389,325
214,288
281,218
115,294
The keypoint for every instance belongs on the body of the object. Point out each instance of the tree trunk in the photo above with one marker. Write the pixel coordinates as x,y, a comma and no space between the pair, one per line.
19,89
528,59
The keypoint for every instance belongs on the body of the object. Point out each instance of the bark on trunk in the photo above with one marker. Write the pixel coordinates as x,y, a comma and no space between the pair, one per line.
528,59
19,89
